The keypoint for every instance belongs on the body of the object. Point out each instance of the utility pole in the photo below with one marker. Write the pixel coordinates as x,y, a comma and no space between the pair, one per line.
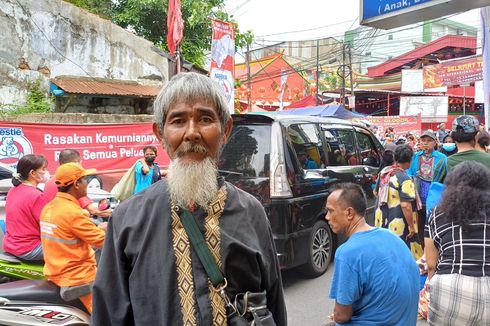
317,72
249,81
342,93
351,83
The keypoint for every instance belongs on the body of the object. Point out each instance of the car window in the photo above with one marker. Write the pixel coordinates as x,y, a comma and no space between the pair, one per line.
247,151
367,149
5,173
307,144
341,149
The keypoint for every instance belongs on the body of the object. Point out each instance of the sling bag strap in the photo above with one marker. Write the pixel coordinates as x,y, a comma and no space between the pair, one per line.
197,241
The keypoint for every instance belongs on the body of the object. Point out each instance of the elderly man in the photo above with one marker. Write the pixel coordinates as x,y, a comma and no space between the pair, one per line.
149,273
422,169
375,279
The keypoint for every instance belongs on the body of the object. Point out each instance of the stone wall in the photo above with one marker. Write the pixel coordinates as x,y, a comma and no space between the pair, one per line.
43,39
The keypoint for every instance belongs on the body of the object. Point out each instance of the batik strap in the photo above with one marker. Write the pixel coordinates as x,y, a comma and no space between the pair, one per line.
182,252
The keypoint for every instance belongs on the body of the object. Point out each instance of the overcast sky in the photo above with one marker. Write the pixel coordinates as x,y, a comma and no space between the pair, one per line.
320,18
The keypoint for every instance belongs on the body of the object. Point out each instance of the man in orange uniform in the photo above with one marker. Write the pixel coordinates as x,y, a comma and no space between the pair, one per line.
67,236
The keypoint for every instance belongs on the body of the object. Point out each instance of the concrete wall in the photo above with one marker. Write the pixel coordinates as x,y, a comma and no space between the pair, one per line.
48,38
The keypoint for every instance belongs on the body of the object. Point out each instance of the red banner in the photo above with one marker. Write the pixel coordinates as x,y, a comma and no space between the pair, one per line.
222,59
110,148
454,72
401,124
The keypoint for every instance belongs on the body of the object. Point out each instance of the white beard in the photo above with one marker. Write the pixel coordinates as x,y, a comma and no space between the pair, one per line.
193,182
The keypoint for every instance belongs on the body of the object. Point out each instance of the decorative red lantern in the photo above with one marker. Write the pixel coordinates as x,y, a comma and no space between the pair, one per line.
262,89
296,90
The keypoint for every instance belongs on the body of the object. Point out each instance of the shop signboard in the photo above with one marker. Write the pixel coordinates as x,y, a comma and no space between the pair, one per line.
431,108
401,124
110,148
388,14
454,72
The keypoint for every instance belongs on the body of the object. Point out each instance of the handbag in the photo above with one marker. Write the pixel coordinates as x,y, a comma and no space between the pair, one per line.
246,309
125,187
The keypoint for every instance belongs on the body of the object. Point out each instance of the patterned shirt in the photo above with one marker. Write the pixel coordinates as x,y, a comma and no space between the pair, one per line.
465,252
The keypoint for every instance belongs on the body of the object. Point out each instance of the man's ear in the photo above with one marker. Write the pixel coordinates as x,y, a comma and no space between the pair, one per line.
350,213
228,127
158,133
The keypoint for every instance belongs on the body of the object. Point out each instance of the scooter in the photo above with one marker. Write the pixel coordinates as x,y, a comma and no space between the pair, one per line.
37,303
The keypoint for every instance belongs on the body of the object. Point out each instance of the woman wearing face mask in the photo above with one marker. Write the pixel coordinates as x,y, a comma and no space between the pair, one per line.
23,207
147,170
448,146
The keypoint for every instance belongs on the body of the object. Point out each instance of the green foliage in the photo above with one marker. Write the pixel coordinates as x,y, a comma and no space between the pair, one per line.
37,101
148,19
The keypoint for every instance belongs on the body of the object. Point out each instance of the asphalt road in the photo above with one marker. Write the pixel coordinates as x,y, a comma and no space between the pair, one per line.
307,299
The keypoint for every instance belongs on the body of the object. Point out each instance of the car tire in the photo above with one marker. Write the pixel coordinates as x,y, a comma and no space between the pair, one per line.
94,181
320,249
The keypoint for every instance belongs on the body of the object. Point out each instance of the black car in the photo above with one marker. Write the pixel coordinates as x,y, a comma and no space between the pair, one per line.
289,163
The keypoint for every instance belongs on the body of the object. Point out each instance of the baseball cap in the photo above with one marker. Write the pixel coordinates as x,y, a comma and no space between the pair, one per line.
428,133
466,123
68,173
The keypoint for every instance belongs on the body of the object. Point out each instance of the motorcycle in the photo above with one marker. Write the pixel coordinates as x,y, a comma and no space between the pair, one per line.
37,303
13,268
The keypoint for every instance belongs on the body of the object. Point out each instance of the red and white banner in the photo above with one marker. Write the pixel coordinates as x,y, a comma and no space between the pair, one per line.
454,72
175,26
222,59
401,124
110,148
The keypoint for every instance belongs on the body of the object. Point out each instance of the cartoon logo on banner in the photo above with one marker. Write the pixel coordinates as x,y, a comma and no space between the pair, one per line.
13,145
225,80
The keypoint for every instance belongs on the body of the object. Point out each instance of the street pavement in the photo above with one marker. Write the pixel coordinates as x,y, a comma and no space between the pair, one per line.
307,299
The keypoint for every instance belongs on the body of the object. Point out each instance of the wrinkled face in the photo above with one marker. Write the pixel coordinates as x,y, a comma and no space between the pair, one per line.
427,143
337,215
193,132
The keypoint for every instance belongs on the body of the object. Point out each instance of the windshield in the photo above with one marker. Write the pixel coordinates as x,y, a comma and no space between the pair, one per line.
248,151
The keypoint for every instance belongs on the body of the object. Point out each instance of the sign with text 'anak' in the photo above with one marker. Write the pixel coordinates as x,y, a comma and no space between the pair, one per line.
388,14
106,147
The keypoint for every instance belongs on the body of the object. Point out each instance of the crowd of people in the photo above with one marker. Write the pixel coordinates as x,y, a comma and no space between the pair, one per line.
203,246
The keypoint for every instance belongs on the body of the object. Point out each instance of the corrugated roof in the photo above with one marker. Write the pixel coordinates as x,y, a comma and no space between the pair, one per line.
95,86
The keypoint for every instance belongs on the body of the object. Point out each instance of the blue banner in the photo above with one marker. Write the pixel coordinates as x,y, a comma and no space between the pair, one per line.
375,8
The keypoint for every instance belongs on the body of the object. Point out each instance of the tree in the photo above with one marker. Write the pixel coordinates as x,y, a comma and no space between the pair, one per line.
148,18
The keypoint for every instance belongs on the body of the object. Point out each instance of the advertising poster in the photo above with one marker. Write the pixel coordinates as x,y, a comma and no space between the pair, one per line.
222,59
454,72
402,124
109,148
431,108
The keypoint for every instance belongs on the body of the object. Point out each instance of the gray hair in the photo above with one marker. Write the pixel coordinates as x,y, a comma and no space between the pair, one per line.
190,88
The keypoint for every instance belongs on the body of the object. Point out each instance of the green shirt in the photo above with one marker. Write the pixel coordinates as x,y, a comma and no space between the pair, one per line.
455,159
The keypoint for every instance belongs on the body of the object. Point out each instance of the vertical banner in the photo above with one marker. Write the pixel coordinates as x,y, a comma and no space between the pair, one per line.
485,22
222,59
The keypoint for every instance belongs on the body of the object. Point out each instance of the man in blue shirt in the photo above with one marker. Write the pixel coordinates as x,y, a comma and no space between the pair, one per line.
147,170
306,162
422,170
375,280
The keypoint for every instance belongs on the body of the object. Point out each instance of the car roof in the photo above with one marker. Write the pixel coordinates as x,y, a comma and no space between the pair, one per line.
289,119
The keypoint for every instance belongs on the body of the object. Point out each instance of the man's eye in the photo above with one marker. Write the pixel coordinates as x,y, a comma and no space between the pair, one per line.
177,121
206,119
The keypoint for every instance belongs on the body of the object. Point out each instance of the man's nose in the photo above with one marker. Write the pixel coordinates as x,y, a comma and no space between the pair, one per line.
192,133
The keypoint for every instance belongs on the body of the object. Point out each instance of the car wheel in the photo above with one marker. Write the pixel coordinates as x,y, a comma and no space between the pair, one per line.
94,182
320,249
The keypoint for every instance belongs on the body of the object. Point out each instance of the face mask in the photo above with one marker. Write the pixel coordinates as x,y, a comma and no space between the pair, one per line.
150,159
449,147
45,177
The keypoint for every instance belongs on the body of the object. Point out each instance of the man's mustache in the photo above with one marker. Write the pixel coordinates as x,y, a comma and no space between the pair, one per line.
188,147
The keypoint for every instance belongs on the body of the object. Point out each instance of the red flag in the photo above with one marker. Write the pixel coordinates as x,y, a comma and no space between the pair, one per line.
175,26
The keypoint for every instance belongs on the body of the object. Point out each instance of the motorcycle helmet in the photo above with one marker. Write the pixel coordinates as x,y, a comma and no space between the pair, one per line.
466,124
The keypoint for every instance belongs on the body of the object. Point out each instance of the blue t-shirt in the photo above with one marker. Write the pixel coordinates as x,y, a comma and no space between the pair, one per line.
375,272
143,181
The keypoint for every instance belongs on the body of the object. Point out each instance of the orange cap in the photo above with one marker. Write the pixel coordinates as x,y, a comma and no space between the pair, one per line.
68,173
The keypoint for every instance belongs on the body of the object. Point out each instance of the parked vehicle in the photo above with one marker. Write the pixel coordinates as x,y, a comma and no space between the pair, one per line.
261,157
37,303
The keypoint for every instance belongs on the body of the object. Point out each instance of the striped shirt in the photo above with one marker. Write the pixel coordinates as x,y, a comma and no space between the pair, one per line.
460,252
